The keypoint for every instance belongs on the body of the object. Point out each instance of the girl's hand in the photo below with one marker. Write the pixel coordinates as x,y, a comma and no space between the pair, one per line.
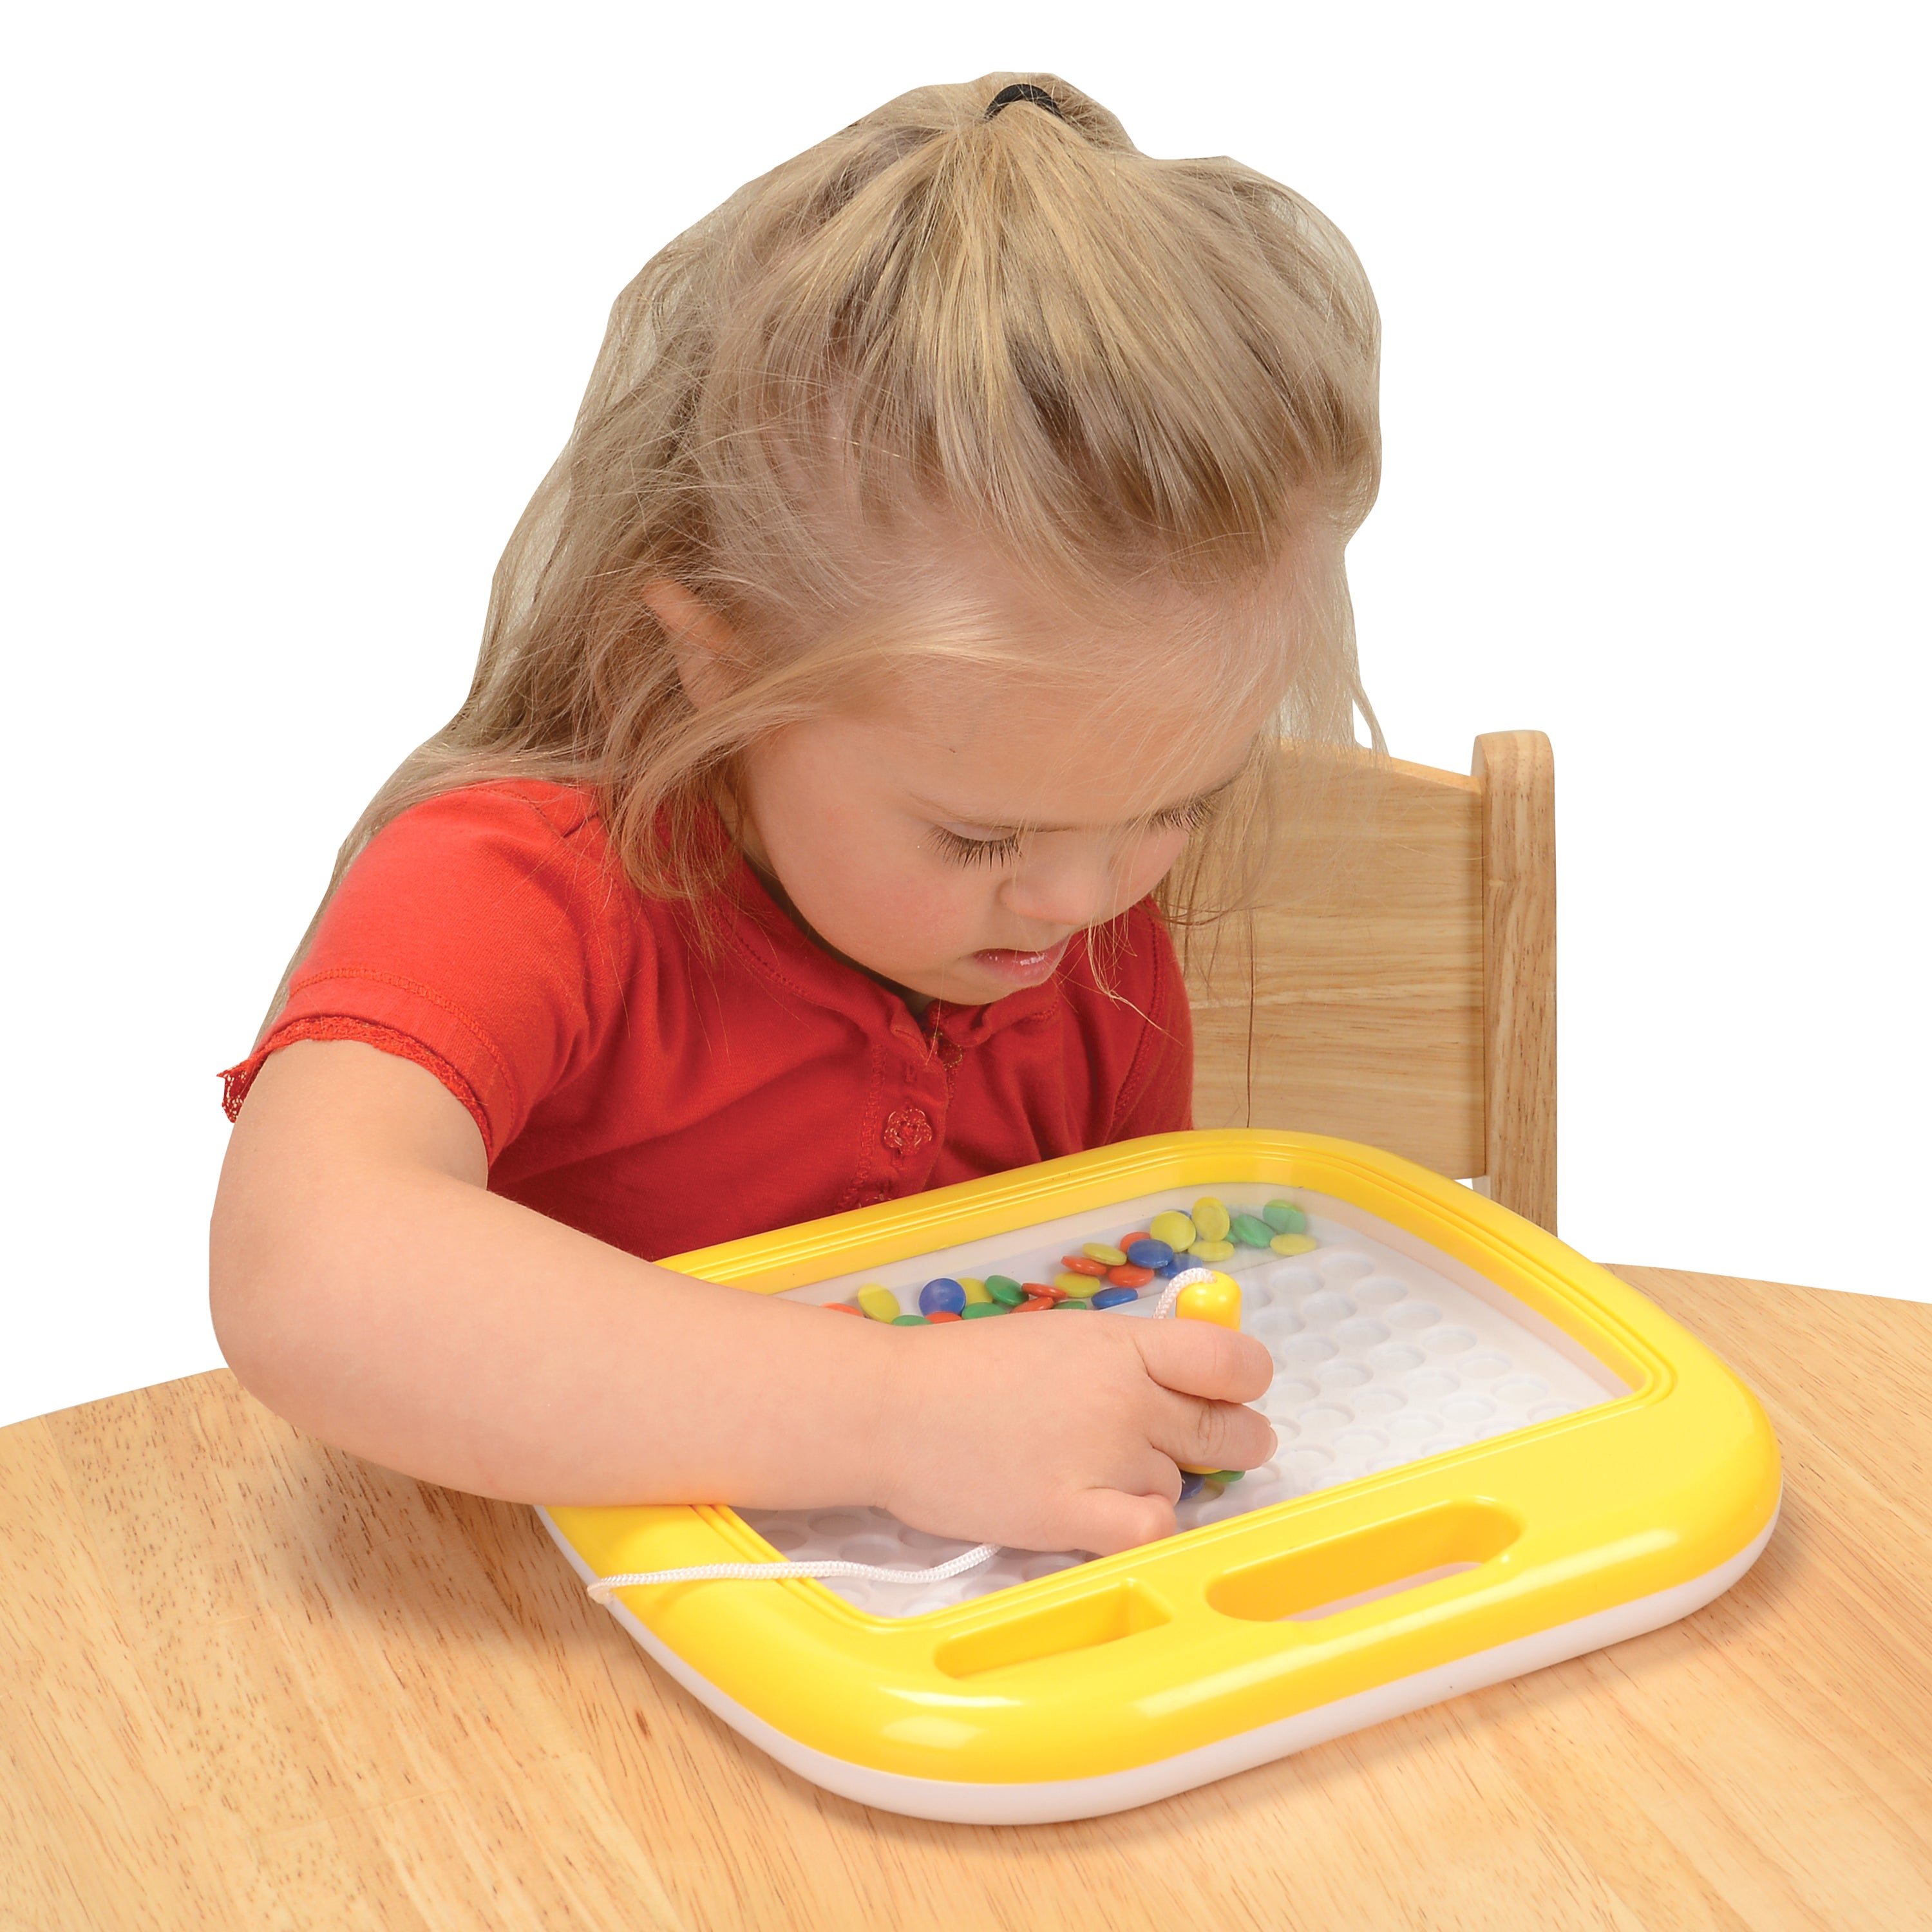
1063,1431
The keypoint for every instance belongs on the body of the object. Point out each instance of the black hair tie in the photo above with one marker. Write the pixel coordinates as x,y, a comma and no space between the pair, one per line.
1023,90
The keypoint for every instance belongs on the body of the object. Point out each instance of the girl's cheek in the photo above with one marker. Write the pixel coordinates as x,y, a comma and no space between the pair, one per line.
1151,862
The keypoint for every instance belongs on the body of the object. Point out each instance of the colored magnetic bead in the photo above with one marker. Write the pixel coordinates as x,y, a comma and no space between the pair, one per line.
1210,1219
1284,1218
1084,1264
840,1308
1130,1277
977,1311
1073,1301
1005,1290
881,1303
1211,1251
976,1290
1150,1253
1174,1228
1116,1297
1293,1244
1251,1231
911,1322
942,1295
1104,1253
1190,1486
1071,1283
945,1314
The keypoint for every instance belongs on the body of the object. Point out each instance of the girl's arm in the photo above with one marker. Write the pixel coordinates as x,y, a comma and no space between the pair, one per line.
365,1285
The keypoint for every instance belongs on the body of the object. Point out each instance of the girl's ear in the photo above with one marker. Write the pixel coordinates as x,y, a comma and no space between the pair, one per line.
700,639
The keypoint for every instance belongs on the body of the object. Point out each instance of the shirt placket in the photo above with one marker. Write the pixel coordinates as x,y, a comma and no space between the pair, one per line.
914,1126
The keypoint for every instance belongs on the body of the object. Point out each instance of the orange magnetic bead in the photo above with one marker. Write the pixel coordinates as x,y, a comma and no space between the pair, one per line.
942,1314
842,1308
1127,1240
1130,1276
1033,1303
1084,1264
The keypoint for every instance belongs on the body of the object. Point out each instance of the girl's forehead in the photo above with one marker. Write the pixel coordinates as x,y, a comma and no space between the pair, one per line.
1031,755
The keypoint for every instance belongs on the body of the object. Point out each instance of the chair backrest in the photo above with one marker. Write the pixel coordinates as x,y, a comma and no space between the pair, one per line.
1403,985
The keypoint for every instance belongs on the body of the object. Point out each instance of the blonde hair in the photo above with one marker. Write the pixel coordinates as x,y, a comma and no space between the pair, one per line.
1110,372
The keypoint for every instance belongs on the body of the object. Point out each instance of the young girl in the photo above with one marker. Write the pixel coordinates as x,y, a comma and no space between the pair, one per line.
953,523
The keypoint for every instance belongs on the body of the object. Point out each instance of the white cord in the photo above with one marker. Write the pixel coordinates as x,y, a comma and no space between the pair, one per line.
872,1572
777,1573
1187,1278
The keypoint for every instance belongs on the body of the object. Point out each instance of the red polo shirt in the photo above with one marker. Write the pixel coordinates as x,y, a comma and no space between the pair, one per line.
628,1084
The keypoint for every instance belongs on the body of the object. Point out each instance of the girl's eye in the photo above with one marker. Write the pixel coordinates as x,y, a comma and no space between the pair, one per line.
965,851
1187,817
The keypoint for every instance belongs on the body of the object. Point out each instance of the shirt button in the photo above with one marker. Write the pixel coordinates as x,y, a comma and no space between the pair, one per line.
908,1127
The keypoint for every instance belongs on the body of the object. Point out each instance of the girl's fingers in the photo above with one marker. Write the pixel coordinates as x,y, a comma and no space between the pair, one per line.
1104,1521
1202,1358
1212,1435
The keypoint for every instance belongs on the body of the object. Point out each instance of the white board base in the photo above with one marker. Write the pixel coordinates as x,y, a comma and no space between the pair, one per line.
1048,1802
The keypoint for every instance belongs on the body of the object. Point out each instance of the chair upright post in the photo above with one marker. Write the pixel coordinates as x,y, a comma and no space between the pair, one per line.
1517,772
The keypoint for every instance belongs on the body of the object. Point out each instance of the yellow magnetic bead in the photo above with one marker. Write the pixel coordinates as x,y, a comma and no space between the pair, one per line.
1175,1229
1293,1244
1216,1299
1211,1220
976,1290
1211,1251
881,1303
1099,1251
1079,1286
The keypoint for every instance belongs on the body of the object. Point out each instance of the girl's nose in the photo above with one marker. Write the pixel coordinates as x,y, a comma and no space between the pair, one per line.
1070,888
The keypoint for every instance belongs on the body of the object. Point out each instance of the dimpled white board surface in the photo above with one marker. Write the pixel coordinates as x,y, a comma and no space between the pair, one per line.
1385,1351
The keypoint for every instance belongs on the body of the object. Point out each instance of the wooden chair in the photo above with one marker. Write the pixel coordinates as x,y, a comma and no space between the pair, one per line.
1403,982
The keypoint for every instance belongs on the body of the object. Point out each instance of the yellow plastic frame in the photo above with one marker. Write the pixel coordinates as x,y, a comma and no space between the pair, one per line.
1131,1659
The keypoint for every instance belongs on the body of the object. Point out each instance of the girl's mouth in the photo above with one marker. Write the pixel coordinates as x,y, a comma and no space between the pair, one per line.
1021,969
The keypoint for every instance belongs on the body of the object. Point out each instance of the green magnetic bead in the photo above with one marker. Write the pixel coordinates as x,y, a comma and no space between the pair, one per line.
1073,1301
1005,1291
1284,1218
1227,1475
911,1322
1251,1231
978,1311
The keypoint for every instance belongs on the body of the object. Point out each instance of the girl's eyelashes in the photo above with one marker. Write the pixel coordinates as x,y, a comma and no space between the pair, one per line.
1187,817
995,848
965,851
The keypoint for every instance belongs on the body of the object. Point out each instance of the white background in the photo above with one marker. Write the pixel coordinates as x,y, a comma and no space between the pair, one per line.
304,300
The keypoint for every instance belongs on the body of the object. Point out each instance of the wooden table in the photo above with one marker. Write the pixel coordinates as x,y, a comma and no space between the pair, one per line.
247,1682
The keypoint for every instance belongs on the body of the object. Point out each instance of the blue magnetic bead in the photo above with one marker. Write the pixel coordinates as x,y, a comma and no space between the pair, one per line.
1190,1486
944,1296
1150,1253
1168,1270
1115,1298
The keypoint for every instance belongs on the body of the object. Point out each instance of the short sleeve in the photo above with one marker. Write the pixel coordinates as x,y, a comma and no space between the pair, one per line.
1157,1097
475,936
